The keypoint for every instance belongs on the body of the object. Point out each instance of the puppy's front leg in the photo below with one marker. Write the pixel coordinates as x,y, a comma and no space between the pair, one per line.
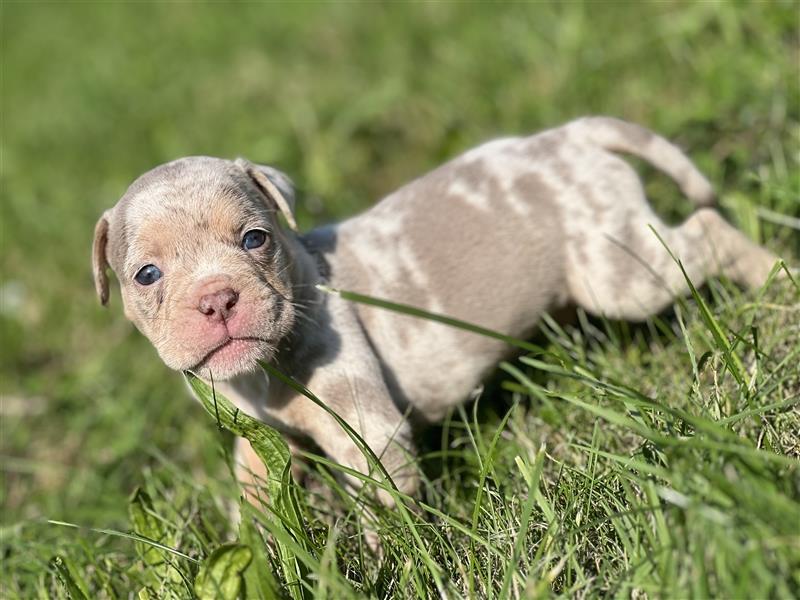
251,473
387,433
365,404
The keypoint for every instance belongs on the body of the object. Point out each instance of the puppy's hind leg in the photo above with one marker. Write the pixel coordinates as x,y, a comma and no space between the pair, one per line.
639,277
727,251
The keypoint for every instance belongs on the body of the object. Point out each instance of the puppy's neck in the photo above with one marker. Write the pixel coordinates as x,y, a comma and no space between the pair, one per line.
306,274
307,339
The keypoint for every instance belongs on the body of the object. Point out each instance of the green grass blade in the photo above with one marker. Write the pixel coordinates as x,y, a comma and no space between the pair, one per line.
130,536
259,580
373,461
732,360
270,447
431,316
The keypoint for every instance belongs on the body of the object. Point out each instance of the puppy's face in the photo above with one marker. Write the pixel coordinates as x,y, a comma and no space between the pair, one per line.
204,268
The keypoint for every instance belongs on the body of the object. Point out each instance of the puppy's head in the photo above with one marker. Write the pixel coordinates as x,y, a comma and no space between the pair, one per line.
203,265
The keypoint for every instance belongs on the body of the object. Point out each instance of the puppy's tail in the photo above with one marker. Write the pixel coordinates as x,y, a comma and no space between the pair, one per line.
620,136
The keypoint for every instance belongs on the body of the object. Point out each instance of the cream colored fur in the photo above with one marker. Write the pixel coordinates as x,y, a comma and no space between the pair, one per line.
497,236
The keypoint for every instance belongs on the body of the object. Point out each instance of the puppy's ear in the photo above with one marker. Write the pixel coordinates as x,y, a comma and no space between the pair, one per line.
276,186
99,259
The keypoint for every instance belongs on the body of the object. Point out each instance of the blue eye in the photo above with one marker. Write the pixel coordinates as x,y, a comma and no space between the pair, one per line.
255,238
148,274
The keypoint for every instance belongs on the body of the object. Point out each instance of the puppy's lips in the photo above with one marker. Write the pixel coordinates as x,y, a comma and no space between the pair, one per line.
233,346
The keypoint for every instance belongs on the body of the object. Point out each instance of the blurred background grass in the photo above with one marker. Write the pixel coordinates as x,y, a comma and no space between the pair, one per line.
351,100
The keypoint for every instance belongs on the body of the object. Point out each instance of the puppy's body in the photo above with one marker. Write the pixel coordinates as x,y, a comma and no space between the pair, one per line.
496,237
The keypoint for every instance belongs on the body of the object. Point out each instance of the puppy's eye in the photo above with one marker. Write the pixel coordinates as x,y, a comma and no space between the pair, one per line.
148,274
255,238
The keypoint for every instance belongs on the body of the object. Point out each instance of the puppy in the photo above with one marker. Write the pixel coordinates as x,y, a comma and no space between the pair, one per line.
496,237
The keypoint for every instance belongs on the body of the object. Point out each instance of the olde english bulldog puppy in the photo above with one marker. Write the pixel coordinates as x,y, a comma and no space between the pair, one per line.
496,237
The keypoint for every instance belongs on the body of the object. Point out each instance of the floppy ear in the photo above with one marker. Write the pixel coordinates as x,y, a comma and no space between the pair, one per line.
99,260
274,185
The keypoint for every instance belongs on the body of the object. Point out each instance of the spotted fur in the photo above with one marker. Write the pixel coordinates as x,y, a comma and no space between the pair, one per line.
497,236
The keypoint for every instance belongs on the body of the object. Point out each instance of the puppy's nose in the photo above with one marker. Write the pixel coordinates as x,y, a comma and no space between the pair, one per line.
218,305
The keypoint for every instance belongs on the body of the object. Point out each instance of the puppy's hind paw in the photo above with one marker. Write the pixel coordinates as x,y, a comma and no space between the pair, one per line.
756,267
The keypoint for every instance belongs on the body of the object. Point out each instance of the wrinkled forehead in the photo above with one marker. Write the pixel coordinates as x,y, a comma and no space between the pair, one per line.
187,203
191,185
171,209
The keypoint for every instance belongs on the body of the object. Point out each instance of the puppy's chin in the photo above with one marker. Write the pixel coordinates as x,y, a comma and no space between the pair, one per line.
235,357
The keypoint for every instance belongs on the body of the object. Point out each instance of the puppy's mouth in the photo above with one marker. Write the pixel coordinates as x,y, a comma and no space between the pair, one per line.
245,349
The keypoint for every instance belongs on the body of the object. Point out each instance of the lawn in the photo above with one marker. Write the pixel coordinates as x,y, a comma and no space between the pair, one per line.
652,460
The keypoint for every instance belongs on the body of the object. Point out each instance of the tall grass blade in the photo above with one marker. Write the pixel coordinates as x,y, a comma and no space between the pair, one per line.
431,316
732,360
374,463
259,580
270,447
130,536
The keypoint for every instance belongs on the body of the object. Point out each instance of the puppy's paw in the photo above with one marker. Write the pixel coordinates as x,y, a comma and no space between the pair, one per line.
373,542
754,268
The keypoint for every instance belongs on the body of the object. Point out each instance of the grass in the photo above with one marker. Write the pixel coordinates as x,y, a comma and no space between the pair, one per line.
656,460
